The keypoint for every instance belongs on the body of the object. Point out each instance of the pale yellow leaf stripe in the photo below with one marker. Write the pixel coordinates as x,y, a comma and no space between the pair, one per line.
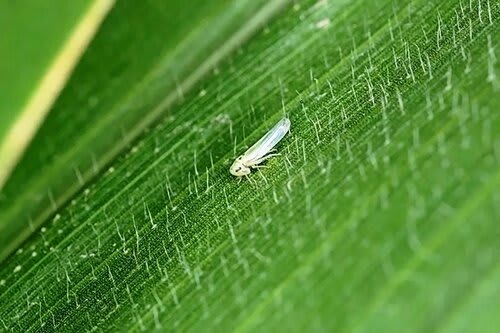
51,84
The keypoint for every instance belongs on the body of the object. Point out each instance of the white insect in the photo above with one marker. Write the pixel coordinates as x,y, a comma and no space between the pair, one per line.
259,152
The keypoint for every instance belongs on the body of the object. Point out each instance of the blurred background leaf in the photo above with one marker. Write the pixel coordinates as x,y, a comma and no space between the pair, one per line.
40,44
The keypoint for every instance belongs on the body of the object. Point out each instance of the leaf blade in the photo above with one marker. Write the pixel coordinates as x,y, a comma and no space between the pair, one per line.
366,201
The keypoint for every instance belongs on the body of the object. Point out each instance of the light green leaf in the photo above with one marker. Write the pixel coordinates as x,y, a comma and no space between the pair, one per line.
380,214
41,42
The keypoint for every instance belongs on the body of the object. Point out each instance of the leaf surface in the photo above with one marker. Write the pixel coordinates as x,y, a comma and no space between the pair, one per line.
380,214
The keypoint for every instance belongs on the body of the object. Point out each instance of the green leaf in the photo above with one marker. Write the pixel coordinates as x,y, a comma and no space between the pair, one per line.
41,42
380,214
138,66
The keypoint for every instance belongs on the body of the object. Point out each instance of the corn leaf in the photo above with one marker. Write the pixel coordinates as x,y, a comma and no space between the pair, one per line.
379,214
138,66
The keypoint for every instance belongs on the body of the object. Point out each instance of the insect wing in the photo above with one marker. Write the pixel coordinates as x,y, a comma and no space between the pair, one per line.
268,141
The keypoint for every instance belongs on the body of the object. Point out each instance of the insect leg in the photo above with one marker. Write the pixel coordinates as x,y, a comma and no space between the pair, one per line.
248,178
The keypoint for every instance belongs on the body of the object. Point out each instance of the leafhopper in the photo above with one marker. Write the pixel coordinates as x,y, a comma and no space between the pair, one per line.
261,150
